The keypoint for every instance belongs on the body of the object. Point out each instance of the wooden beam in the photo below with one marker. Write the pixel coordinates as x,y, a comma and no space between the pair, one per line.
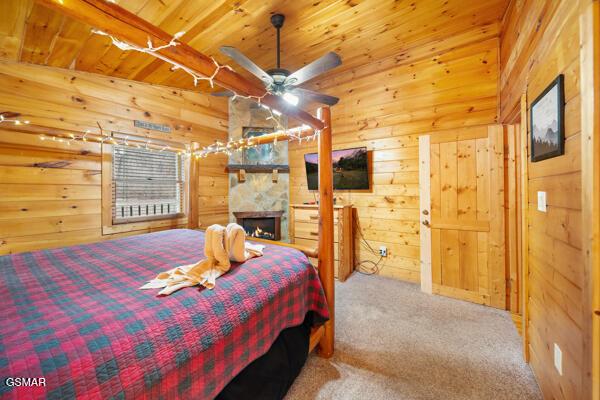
326,255
128,27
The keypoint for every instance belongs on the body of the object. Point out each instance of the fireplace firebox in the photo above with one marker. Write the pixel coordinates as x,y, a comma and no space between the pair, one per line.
260,224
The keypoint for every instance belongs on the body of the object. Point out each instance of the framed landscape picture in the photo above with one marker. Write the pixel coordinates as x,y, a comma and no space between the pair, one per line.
262,154
547,122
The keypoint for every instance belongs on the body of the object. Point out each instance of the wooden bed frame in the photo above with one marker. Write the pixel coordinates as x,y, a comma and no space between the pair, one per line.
123,25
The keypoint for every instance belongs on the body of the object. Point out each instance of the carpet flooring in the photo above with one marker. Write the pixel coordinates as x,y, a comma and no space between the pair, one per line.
394,342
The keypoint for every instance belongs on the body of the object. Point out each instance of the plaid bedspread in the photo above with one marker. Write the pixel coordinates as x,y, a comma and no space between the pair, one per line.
75,317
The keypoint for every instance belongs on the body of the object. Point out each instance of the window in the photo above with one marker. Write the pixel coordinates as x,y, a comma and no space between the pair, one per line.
147,184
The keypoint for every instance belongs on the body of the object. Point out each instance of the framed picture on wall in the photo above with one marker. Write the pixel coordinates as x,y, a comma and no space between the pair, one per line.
547,122
262,154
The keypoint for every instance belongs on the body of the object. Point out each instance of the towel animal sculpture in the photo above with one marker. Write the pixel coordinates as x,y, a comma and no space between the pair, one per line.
221,246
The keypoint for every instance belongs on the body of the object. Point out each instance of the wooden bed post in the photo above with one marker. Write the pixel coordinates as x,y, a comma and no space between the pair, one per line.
193,206
326,229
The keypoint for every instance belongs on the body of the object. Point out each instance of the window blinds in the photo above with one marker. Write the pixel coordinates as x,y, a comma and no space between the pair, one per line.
146,183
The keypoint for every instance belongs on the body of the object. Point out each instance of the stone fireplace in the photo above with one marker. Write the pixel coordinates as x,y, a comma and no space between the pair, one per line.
258,192
260,224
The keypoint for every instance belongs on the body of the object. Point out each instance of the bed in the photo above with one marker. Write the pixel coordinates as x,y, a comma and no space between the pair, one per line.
75,316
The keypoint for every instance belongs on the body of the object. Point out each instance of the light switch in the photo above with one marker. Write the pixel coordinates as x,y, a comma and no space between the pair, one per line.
541,201
558,359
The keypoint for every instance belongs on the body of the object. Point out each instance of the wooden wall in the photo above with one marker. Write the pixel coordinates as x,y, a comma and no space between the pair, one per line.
540,40
442,83
50,192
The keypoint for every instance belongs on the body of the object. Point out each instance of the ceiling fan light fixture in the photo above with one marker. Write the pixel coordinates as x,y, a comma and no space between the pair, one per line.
290,98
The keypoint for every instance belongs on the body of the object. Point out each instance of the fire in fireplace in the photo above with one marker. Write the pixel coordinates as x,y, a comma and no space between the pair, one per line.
263,228
261,224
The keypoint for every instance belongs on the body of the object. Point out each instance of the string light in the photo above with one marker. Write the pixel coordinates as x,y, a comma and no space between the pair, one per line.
153,51
237,145
12,120
218,147
101,138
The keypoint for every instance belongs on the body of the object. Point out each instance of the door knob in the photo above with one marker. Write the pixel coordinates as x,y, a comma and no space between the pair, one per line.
426,223
425,212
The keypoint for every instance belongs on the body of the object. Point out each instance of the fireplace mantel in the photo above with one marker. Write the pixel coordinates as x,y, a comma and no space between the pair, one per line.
258,168
257,214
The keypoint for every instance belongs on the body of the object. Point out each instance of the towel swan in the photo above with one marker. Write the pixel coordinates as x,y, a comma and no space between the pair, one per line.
221,246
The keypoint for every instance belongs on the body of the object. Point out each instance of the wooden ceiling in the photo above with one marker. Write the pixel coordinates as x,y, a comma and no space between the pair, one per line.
360,31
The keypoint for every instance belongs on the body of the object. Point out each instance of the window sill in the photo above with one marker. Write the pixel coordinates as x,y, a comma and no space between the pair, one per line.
120,221
171,222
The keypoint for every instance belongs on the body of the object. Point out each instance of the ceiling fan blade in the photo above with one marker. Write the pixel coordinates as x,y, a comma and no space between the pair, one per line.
314,96
317,67
224,93
246,63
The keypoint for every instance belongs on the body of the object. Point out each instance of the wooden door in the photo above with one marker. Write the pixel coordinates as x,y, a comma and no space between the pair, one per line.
462,214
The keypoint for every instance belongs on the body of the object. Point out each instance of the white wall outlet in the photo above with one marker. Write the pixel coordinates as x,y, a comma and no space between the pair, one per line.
383,251
558,359
541,201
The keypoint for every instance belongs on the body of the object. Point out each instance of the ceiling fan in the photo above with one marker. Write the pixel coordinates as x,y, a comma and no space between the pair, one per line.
280,81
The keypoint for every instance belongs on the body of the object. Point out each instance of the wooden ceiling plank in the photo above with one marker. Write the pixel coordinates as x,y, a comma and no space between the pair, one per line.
408,56
310,46
68,44
387,35
128,27
86,60
362,32
12,27
41,29
299,40
442,32
257,37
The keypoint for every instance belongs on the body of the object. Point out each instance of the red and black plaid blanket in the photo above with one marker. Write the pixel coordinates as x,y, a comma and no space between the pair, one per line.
75,317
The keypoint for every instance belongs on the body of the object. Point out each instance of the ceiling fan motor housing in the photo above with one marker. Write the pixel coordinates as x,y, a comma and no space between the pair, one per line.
278,85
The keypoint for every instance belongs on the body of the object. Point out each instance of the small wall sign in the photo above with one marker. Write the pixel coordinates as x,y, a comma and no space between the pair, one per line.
152,126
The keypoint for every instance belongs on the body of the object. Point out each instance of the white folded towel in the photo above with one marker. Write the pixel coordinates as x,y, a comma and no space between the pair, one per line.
238,249
221,245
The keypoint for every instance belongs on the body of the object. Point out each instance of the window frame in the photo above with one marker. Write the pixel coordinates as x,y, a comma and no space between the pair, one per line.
184,190
110,226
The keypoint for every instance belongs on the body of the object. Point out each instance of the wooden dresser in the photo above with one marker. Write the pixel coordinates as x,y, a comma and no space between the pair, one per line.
304,231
